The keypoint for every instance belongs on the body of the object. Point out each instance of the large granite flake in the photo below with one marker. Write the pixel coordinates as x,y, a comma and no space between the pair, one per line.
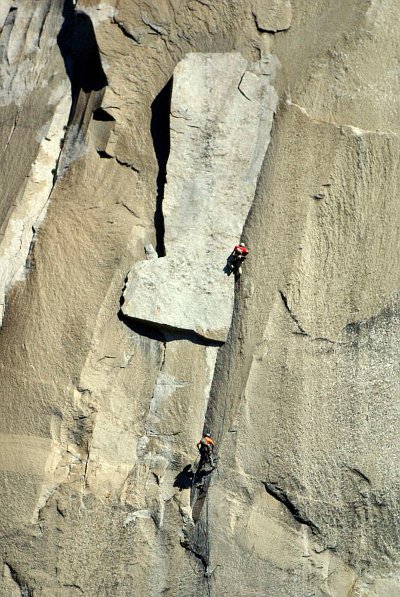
221,117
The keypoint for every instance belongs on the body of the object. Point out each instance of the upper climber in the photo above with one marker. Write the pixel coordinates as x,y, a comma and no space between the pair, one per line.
239,254
206,448
241,250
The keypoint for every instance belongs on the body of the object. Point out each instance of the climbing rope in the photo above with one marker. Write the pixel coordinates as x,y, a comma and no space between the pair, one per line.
196,466
220,435
208,575
228,385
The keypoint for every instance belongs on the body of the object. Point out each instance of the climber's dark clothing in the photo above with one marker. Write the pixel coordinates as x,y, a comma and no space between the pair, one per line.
206,447
237,257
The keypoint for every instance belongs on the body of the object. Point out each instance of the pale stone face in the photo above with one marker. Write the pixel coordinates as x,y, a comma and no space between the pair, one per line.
272,16
220,114
295,372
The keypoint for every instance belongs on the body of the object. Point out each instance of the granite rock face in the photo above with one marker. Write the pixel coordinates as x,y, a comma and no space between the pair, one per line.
32,128
101,406
273,16
221,113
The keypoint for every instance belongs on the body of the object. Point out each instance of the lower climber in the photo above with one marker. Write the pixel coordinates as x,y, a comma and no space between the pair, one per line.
206,448
238,256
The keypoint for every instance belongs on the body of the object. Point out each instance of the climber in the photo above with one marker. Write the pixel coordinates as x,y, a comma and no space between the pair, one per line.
238,255
206,448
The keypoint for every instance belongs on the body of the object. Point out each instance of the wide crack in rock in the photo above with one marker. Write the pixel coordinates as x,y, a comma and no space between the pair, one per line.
221,117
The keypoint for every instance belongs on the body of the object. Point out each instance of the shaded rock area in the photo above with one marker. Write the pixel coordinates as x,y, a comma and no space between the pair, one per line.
295,375
221,113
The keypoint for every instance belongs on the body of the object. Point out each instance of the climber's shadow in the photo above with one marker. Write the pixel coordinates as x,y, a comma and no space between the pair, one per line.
187,478
184,479
80,52
230,265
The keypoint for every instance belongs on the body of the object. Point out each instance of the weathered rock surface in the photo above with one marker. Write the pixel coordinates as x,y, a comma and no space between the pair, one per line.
221,113
32,128
100,413
273,16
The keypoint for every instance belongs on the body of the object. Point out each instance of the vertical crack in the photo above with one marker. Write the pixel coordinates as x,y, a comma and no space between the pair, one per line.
160,132
13,127
26,591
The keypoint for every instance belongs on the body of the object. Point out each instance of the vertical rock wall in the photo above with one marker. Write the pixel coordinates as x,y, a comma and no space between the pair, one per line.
32,127
100,413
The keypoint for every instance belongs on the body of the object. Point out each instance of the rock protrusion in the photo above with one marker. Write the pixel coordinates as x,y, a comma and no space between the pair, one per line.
221,117
272,16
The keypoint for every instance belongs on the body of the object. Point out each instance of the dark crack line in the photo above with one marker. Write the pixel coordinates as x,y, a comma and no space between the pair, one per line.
241,91
128,208
58,160
281,496
59,510
26,591
198,555
127,165
265,30
164,355
159,29
316,339
125,31
13,127
322,339
172,434
107,156
359,474
293,317
86,467
73,586
302,331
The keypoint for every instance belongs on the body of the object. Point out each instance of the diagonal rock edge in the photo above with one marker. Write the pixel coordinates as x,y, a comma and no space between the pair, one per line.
282,496
61,139
19,235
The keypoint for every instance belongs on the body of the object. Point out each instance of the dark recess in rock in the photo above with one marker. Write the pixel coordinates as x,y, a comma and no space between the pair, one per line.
196,542
24,588
160,113
80,52
104,154
163,333
102,115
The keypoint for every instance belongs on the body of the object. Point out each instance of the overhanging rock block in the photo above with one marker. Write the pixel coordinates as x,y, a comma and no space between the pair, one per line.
221,117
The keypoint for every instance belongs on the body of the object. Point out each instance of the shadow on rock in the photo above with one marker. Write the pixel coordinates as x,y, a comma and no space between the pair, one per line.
230,265
187,478
184,479
80,52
